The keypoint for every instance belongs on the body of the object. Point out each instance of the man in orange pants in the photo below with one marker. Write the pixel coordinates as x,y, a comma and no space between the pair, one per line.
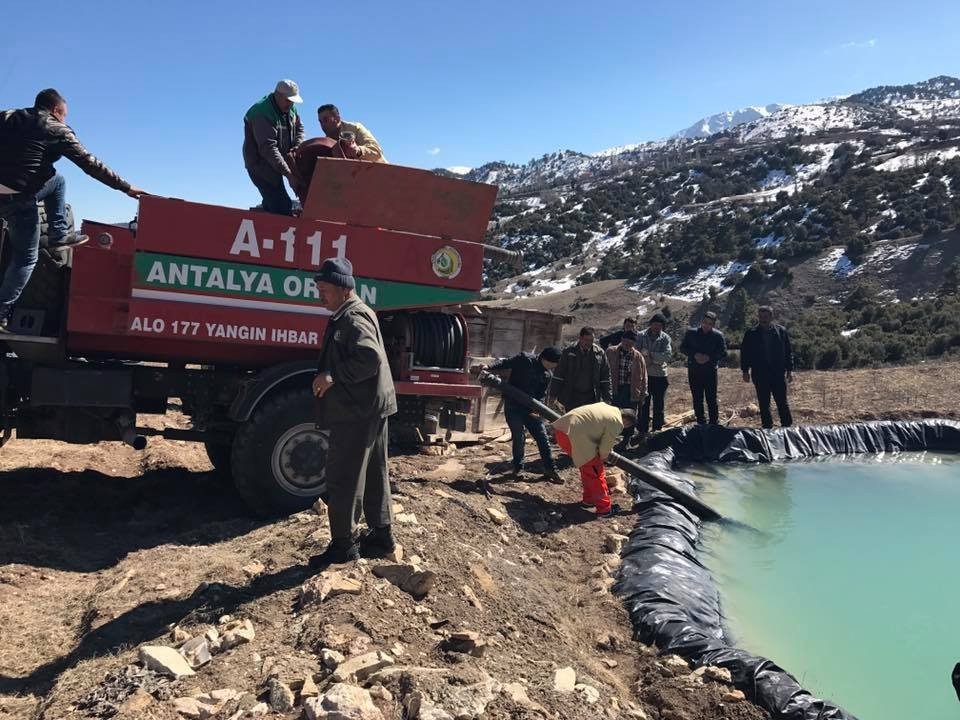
587,434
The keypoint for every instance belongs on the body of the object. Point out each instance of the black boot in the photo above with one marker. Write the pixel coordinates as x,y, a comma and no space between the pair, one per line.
338,552
71,239
377,543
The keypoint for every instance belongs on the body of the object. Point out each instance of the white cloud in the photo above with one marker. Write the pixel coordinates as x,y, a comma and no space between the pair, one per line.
855,45
459,169
433,151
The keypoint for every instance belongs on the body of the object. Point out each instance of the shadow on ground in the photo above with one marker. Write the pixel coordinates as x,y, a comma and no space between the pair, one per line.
149,620
87,521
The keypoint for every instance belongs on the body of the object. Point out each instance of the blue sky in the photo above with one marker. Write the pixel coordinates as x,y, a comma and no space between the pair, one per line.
158,90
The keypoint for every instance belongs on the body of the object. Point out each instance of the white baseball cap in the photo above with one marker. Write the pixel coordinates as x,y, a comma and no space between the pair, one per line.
290,90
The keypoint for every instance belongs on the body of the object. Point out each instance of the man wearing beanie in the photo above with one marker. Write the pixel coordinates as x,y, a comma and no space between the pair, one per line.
654,344
628,373
531,374
355,395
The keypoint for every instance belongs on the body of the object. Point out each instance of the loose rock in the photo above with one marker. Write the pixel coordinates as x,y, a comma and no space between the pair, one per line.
408,578
379,692
188,707
498,516
166,660
236,632
137,703
614,542
331,658
734,696
282,698
361,667
472,597
196,651
587,693
675,664
467,642
565,680
328,585
309,688
717,674
253,569
342,702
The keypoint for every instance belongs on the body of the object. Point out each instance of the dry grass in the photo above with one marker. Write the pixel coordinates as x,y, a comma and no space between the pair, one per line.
925,390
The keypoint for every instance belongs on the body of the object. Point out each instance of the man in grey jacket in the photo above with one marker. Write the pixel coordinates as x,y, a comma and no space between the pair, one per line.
654,344
271,130
355,395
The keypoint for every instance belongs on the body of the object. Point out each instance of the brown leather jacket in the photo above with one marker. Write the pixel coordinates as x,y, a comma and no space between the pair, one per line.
32,140
638,373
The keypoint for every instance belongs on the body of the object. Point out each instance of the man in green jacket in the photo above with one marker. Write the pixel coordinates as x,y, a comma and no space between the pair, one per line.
355,395
271,130
583,375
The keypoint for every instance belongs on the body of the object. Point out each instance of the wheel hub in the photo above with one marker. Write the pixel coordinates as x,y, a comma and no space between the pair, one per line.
300,458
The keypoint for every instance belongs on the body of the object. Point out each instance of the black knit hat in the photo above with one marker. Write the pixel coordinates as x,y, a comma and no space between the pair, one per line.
550,354
629,335
658,318
337,271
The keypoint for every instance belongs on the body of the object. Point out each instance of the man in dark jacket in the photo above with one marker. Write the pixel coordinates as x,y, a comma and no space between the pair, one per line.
766,358
31,141
531,374
614,338
583,375
355,396
704,347
271,130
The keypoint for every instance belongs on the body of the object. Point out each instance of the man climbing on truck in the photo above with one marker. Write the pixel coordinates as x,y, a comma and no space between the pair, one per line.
271,130
31,141
357,142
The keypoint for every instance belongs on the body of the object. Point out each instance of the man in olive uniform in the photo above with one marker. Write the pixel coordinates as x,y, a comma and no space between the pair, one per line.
583,374
355,396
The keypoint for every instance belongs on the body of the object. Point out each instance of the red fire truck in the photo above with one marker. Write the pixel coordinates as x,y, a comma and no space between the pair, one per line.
216,307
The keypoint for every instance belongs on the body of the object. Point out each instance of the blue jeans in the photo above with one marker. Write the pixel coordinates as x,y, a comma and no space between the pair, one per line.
519,419
20,212
274,194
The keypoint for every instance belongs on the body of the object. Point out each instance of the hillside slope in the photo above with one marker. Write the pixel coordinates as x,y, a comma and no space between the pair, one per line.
774,209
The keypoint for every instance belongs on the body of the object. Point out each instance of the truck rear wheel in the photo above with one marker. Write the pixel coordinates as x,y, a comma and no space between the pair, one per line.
279,457
219,455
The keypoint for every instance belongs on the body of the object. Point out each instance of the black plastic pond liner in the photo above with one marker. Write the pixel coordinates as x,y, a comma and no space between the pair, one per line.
672,599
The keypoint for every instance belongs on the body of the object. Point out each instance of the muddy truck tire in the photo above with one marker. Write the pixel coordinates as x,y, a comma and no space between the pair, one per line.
279,457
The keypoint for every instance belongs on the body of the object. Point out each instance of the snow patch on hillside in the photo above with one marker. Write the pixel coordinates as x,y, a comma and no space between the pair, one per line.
908,160
837,263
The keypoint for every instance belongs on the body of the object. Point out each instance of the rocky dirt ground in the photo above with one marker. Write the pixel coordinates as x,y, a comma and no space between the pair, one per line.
105,550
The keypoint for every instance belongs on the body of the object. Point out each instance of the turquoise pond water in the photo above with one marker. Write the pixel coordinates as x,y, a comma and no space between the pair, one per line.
854,585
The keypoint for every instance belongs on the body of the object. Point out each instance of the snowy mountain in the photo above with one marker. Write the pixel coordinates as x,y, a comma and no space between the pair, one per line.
712,124
880,109
941,87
